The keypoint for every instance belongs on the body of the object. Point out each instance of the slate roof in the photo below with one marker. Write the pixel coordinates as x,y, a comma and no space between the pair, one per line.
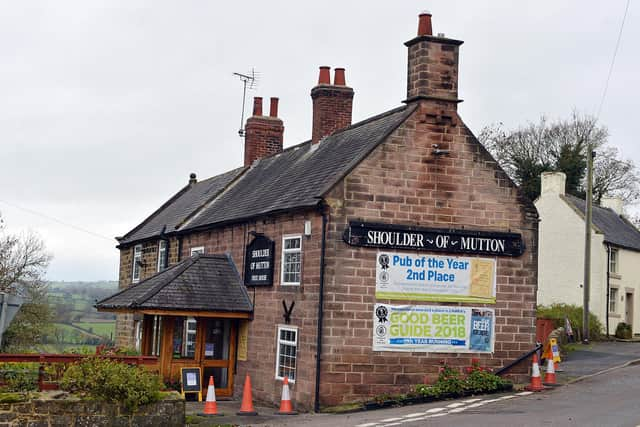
299,175
617,230
198,283
180,206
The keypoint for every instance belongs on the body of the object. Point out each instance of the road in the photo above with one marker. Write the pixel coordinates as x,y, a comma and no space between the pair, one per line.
605,400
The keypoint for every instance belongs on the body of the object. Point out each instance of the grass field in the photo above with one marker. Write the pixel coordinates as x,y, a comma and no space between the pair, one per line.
104,329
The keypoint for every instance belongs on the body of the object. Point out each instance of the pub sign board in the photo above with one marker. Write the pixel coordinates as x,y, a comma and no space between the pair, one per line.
258,265
390,236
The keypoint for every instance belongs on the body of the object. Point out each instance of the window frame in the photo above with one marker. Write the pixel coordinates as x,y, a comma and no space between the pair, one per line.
613,298
282,259
163,247
137,256
156,340
197,250
294,344
614,260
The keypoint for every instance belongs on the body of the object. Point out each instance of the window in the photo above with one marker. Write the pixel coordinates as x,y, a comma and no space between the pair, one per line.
291,260
137,263
197,250
287,350
613,298
138,335
184,337
157,335
162,255
613,261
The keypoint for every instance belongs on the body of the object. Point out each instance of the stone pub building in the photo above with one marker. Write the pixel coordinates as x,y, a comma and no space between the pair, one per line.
352,263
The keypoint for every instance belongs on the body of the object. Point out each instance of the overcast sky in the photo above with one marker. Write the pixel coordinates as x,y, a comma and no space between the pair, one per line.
106,107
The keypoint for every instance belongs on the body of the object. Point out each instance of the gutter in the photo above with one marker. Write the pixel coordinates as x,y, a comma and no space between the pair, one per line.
606,304
321,209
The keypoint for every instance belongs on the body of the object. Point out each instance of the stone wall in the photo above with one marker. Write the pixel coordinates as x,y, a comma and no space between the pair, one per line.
46,411
402,182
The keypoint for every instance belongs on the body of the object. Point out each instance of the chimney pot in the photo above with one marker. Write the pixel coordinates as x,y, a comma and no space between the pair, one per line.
257,106
192,178
273,109
338,78
324,78
424,24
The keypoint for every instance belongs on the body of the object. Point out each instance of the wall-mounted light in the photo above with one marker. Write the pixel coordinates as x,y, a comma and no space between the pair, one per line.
307,228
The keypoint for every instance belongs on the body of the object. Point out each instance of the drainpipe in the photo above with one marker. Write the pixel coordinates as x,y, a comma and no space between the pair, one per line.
321,208
606,305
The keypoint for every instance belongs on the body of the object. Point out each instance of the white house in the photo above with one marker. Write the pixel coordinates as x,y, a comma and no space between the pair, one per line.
615,255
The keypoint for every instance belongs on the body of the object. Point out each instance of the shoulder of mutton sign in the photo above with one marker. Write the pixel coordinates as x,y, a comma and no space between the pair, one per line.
389,236
258,264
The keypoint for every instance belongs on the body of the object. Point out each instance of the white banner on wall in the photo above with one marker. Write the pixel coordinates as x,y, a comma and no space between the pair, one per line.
436,329
406,276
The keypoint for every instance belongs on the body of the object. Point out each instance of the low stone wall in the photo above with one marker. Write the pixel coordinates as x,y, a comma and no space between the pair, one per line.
56,409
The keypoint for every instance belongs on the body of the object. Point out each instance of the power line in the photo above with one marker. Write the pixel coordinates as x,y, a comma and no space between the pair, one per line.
613,60
50,218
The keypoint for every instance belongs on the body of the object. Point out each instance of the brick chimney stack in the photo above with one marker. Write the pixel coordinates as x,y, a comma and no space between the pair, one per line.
432,72
332,104
263,134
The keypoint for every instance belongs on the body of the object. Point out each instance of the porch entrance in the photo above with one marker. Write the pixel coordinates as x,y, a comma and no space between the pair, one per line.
192,341
628,308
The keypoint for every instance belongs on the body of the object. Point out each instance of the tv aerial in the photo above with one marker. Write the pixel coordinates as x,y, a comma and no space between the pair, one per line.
249,81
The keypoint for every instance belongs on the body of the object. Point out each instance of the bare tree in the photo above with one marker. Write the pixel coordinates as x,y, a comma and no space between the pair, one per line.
23,263
526,152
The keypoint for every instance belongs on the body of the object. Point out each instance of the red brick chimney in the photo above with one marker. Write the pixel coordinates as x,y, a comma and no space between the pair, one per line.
433,65
263,135
332,104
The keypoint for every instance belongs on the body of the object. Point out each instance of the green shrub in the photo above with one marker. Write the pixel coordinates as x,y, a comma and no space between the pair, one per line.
624,331
557,313
451,381
111,381
479,381
19,376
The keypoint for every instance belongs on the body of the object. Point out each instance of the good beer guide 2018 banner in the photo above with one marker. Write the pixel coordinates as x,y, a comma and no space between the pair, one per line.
402,276
435,329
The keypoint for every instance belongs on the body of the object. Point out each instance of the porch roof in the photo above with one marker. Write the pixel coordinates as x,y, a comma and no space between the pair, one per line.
199,283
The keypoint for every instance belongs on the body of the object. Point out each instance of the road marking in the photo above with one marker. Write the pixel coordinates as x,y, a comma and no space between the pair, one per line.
470,400
416,414
476,405
390,420
511,396
455,405
524,393
392,424
367,425
455,411
431,411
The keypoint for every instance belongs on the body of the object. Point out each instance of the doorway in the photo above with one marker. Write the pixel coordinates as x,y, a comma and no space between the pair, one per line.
217,354
628,308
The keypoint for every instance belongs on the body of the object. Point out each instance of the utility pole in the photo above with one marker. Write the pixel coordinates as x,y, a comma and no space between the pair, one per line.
587,245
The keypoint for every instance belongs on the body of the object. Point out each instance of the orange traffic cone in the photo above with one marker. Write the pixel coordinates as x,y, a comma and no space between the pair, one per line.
536,381
211,406
550,375
286,408
247,399
556,367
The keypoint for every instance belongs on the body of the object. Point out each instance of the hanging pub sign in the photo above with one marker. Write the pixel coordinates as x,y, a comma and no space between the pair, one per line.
258,264
428,277
389,236
435,329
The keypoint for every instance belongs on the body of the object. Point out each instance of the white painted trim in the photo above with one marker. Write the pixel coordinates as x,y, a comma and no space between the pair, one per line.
197,249
282,253
286,328
135,279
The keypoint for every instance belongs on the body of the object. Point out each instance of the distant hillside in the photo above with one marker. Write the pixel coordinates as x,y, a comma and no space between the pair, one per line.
76,321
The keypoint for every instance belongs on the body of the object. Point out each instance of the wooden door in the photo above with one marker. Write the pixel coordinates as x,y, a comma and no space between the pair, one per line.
217,353
629,308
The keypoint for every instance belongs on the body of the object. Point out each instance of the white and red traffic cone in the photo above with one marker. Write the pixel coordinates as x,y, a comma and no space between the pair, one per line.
286,408
536,381
211,406
550,374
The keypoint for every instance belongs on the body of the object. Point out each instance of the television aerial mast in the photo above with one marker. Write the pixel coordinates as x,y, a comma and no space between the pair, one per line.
250,81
